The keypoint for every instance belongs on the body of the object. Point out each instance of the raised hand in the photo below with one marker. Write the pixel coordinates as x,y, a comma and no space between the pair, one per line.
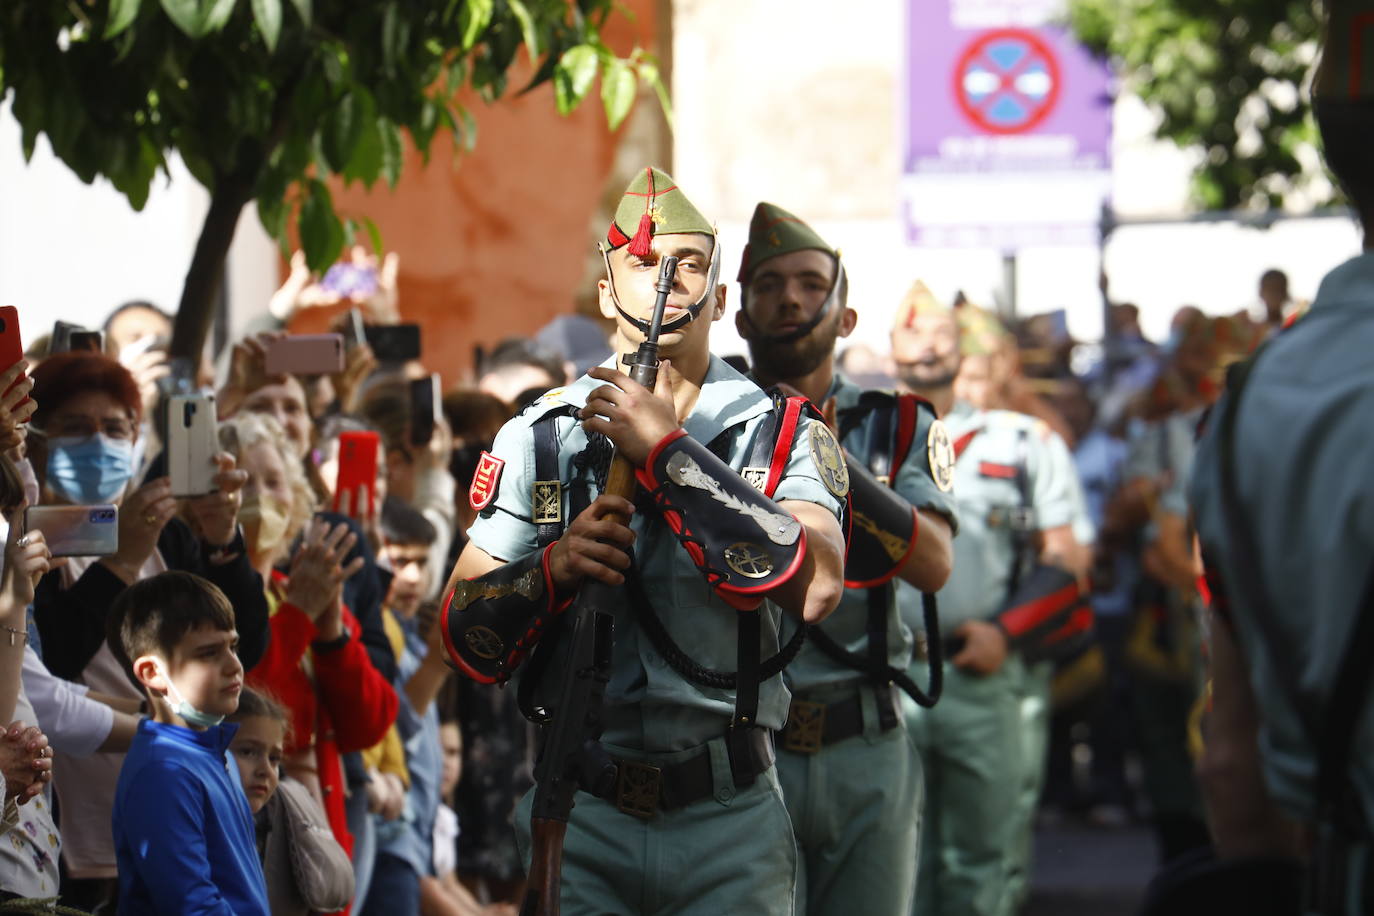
317,572
216,514
142,516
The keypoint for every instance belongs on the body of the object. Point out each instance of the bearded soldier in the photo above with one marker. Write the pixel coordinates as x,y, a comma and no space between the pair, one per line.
708,562
850,776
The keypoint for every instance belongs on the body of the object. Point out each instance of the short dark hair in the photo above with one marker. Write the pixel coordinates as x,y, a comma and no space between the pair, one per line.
63,376
521,351
254,704
403,524
1347,132
130,306
154,614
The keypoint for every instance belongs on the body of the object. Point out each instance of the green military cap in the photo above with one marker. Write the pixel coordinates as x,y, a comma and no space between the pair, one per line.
918,300
1347,63
981,332
774,231
653,205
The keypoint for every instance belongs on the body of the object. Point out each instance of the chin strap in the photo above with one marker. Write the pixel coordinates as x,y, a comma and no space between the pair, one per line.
837,292
681,321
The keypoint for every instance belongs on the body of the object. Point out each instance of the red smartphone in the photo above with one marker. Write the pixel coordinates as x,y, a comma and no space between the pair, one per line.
305,354
11,349
357,467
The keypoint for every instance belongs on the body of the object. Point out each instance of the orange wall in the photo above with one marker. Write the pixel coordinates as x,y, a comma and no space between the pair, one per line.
494,244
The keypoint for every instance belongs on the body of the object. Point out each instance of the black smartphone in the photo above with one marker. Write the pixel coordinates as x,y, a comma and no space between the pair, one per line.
61,339
424,409
394,343
90,341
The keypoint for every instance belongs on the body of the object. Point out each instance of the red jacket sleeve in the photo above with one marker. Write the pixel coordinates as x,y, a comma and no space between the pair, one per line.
360,702
279,672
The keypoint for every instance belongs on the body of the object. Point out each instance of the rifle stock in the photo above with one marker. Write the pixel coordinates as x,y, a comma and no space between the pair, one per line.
572,756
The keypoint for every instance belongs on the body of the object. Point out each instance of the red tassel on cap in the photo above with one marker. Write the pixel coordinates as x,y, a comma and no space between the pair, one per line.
642,243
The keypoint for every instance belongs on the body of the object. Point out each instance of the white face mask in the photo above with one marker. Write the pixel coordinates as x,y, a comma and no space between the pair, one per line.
264,521
189,713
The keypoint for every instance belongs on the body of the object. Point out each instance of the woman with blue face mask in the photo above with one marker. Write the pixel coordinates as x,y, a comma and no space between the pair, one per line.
81,443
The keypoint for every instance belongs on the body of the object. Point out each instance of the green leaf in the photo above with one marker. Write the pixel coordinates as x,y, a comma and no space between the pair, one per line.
303,10
344,127
187,15
573,76
272,215
267,14
648,72
374,234
475,16
366,162
322,235
617,90
122,15
393,47
218,15
527,30
393,151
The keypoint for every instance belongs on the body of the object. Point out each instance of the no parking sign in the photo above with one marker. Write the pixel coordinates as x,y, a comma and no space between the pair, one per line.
1007,126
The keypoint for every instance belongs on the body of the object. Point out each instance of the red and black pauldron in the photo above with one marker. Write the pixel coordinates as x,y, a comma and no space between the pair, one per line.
490,623
741,540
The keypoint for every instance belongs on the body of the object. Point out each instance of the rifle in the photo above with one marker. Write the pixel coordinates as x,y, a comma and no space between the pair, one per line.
573,757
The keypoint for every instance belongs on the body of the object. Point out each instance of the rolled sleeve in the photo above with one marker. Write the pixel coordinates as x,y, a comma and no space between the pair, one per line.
74,723
801,479
504,529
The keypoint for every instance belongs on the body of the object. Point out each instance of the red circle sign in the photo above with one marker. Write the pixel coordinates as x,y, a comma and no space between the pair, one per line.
1007,81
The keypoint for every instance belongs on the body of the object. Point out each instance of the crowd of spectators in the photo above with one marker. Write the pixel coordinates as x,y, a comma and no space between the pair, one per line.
377,782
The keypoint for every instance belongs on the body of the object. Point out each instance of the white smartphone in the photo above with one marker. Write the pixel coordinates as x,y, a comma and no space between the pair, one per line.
76,531
192,443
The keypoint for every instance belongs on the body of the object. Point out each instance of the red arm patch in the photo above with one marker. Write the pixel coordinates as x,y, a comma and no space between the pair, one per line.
485,481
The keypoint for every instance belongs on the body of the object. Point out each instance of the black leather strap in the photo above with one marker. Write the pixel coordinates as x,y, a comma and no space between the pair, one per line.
546,470
881,447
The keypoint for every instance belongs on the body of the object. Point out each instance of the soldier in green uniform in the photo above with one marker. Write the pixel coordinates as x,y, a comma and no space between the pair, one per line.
695,822
1013,485
850,776
985,372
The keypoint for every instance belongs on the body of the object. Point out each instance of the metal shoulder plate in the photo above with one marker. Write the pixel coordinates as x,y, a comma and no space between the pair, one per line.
740,539
490,623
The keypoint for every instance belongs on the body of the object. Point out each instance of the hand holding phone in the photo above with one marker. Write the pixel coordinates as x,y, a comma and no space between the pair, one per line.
76,531
394,343
357,470
12,351
192,444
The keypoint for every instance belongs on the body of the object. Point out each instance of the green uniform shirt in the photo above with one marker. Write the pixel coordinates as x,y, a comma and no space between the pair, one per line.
848,624
649,706
986,495
1304,454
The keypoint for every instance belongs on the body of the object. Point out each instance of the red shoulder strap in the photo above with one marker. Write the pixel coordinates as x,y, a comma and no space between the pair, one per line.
787,432
906,428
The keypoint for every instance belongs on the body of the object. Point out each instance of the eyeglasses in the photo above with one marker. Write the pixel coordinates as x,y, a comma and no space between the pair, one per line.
85,427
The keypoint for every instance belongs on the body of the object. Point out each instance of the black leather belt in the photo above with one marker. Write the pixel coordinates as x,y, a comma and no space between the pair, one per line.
810,725
643,788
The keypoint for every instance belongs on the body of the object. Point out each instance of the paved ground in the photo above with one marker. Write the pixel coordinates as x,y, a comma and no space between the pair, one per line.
1088,871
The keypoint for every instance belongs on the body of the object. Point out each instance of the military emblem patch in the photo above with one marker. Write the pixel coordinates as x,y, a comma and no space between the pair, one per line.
485,481
546,500
484,642
755,477
829,460
749,560
941,456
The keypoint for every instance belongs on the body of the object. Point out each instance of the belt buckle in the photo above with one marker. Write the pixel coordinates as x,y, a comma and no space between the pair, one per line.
805,727
638,789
